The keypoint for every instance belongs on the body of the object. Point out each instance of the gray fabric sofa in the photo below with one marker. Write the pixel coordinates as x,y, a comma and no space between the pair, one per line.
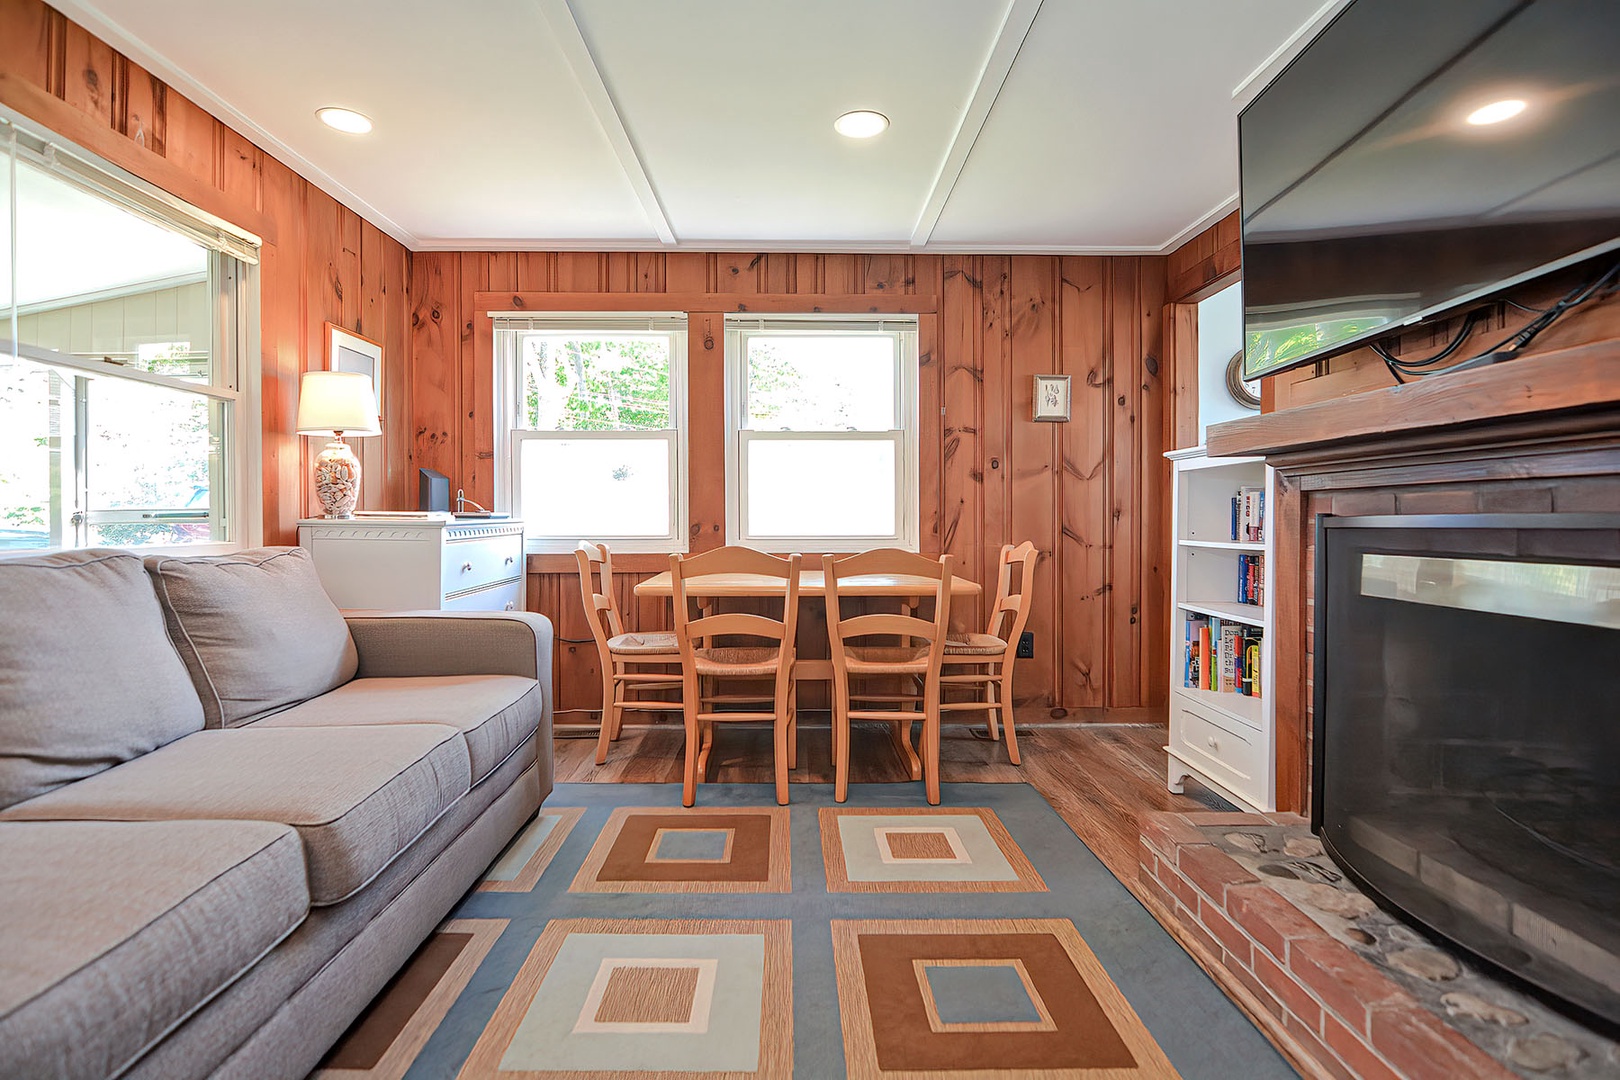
228,814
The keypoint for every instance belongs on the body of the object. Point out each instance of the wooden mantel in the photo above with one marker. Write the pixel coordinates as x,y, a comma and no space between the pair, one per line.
1538,434
1440,409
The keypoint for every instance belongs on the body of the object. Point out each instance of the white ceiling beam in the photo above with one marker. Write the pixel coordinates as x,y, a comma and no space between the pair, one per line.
591,84
997,65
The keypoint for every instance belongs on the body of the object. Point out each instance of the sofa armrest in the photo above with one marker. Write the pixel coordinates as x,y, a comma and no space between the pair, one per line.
409,643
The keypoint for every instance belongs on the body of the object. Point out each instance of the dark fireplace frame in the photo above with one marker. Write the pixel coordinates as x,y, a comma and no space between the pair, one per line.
1609,522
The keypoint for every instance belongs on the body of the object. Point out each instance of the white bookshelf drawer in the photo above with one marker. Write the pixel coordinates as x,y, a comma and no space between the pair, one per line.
1230,753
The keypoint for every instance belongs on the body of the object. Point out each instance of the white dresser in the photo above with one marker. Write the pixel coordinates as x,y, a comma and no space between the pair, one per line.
414,564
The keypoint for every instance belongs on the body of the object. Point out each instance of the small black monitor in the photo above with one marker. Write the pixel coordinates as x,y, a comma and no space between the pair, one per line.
432,490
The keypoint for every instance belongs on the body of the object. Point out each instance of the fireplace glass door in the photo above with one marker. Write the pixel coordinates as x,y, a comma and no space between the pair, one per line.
1467,753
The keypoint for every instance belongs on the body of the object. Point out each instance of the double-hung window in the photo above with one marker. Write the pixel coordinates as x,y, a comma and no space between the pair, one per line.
595,415
821,432
128,409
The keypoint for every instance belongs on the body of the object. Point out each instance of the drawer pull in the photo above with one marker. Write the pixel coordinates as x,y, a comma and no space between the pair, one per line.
465,567
1214,744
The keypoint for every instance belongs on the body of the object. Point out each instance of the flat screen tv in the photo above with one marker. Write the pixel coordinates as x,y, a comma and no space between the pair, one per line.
1387,174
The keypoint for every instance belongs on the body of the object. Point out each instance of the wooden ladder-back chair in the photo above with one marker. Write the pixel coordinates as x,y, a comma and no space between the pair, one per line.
983,663
707,660
622,655
915,660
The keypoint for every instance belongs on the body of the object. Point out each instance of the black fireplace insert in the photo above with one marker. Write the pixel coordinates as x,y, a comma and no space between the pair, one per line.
1467,735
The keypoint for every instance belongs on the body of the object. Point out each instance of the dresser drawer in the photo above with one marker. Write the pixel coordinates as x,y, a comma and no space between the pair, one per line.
505,596
1230,753
475,563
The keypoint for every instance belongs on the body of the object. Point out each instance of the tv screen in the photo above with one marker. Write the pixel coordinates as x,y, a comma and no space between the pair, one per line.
1421,154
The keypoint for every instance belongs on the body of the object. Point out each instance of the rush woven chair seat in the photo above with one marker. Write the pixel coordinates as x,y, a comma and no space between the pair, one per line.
910,655
727,646
623,656
982,664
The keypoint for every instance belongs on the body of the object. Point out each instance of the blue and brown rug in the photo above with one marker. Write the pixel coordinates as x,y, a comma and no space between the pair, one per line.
621,936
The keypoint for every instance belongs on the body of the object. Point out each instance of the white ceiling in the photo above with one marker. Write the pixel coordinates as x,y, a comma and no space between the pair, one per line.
1089,126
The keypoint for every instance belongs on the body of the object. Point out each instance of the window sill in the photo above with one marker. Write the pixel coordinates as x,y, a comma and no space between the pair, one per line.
627,562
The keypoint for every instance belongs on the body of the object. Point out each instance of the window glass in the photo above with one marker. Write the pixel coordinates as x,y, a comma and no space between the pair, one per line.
821,382
574,382
800,488
594,488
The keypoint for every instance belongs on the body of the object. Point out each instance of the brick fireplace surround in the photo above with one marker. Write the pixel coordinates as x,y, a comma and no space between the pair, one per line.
1539,434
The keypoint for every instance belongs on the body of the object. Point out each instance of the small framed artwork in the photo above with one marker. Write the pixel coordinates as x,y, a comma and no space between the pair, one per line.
346,351
1051,398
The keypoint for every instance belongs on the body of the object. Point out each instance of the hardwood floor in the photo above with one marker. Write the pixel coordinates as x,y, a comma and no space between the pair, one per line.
1099,777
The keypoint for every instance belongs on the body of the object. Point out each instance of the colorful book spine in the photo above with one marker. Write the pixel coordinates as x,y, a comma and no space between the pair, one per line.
1231,650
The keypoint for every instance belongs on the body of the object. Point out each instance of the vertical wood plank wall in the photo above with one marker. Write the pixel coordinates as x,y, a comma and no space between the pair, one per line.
1091,493
320,260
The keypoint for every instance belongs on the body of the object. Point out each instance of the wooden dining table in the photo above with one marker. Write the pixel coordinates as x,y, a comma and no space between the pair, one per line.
813,584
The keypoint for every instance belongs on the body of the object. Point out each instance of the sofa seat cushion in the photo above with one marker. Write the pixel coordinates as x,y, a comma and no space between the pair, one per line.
115,932
256,629
494,713
88,678
358,796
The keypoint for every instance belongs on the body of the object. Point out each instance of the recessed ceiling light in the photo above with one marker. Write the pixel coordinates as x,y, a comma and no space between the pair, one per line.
1496,112
861,124
345,120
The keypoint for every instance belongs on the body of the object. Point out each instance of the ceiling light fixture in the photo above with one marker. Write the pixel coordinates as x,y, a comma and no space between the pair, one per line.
345,120
1496,112
861,124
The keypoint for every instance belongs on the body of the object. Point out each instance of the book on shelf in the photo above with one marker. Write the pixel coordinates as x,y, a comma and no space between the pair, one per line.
1229,650
1249,515
1251,579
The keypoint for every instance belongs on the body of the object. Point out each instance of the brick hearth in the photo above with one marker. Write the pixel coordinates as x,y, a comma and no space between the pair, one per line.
1356,992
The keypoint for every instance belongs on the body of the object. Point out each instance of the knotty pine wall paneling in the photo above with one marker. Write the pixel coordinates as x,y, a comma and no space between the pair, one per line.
320,260
1091,494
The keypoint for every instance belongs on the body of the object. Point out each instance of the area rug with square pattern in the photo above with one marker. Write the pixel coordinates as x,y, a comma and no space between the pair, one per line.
620,936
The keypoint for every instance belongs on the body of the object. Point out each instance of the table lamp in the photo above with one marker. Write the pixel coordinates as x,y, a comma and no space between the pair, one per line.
337,403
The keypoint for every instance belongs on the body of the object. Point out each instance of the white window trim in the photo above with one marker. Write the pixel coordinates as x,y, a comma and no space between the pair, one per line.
511,435
235,268
907,484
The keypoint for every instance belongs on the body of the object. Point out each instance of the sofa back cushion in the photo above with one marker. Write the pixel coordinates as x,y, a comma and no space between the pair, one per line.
255,628
88,678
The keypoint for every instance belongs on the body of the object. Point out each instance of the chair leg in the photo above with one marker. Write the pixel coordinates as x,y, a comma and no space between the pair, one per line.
689,709
781,730
1004,692
608,734
793,729
840,742
989,694
930,741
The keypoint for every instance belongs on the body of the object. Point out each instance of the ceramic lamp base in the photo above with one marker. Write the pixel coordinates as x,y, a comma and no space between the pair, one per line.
337,479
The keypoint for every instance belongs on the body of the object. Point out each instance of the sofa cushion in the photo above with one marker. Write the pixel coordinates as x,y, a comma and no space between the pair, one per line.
255,628
494,713
69,616
358,796
115,932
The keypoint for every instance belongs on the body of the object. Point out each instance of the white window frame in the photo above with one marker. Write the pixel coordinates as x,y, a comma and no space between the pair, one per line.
509,326
739,329
234,290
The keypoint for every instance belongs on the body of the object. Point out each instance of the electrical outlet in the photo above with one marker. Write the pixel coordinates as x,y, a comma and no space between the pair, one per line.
1026,645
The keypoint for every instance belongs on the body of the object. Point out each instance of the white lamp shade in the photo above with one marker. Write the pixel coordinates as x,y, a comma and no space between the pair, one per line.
333,401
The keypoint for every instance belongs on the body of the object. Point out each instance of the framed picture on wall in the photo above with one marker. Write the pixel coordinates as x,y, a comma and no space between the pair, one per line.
1051,398
346,351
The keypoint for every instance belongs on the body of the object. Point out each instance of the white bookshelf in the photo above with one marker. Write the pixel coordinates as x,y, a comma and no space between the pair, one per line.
1223,739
